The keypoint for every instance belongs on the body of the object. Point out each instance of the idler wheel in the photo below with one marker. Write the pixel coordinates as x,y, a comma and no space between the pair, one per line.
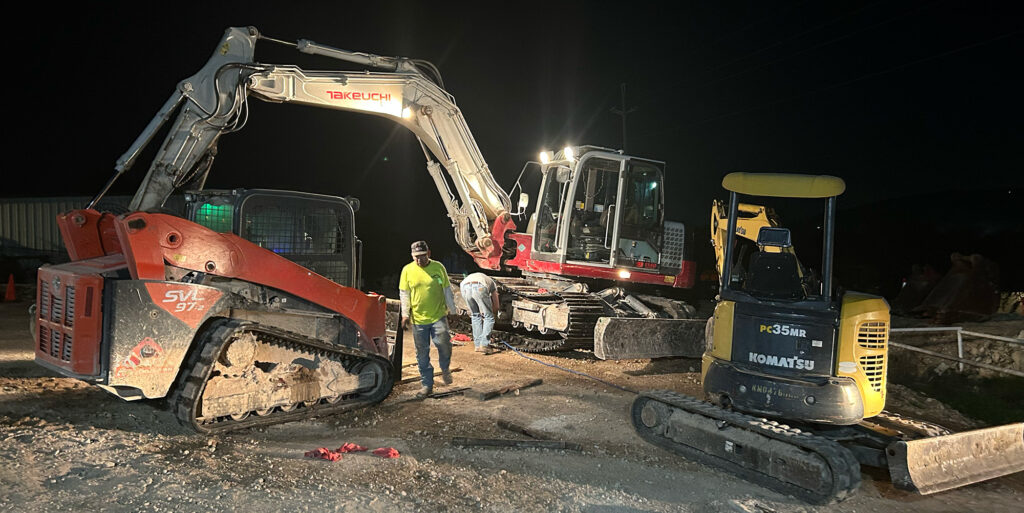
240,353
649,415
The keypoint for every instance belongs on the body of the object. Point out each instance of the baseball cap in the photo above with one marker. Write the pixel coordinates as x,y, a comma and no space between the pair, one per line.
419,248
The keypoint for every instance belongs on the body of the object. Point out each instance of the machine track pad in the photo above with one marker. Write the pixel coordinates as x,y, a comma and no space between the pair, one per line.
620,338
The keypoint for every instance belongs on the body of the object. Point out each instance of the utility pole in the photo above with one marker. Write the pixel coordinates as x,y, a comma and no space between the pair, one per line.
622,112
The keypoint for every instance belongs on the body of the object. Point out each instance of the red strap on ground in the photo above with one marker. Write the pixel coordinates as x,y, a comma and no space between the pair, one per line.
386,452
351,447
461,337
324,453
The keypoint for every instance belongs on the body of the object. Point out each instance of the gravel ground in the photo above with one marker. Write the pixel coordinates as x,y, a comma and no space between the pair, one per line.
66,445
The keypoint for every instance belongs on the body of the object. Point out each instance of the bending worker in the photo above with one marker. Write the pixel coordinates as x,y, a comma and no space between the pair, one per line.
481,294
427,300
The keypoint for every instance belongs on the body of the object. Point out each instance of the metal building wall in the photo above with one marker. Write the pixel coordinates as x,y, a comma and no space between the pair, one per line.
29,225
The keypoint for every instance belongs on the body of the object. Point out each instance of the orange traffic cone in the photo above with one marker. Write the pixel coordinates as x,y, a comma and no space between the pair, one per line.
10,295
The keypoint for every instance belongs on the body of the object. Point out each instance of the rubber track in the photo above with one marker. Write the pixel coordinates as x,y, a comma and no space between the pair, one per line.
200,364
844,467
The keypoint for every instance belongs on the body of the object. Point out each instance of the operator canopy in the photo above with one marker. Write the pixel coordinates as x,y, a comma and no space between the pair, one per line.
784,185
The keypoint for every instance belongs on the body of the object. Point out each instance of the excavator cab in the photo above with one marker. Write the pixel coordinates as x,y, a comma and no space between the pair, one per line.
604,209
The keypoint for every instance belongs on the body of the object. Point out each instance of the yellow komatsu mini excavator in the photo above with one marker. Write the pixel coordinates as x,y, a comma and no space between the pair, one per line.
795,374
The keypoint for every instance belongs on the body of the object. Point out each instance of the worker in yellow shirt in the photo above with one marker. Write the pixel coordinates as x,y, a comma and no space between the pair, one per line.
427,300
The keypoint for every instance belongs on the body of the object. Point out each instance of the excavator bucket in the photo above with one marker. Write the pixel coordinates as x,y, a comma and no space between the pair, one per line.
622,338
941,463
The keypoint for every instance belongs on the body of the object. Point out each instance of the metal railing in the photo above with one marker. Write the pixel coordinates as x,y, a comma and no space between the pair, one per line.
961,361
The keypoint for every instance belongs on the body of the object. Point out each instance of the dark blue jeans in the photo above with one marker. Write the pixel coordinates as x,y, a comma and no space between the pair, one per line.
422,336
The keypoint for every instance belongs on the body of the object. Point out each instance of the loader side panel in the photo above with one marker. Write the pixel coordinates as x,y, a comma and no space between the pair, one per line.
152,326
151,240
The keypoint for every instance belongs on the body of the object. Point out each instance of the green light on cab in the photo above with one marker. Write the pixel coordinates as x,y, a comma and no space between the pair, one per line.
215,217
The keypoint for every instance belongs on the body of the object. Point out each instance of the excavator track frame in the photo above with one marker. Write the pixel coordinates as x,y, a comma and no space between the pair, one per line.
839,470
199,366
584,311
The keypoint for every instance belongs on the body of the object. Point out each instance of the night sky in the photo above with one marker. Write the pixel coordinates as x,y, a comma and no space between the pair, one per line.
917,105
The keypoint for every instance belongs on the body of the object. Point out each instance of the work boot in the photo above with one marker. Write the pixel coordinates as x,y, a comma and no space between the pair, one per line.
424,392
488,350
446,377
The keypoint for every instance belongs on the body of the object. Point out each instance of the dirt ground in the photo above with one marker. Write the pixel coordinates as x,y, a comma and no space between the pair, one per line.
66,445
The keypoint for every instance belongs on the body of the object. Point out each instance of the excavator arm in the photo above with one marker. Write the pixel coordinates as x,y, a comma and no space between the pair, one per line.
214,102
749,222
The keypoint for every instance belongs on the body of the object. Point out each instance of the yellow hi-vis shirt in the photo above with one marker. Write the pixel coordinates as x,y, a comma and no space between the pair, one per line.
425,286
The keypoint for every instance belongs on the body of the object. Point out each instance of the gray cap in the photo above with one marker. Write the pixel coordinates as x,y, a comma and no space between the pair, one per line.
419,248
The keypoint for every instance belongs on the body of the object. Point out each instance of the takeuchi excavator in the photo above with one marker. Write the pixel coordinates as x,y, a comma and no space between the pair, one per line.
598,260
795,374
243,306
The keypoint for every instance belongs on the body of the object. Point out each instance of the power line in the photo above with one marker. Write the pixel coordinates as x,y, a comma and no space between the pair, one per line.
846,82
848,35
814,47
792,37
748,26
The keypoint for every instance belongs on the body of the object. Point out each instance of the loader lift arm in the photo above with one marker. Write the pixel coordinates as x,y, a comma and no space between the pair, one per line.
213,102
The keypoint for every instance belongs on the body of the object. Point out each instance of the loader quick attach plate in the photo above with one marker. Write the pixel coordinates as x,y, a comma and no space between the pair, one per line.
620,338
935,464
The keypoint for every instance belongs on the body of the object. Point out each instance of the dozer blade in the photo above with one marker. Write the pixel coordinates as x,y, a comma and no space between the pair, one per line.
941,463
620,338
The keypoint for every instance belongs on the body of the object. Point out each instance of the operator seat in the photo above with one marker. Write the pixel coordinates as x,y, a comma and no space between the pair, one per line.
591,224
587,236
601,225
774,276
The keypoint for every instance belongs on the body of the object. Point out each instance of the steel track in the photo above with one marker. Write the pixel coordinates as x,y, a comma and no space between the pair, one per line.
584,311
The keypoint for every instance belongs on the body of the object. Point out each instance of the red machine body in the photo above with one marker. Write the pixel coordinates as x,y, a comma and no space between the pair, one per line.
144,291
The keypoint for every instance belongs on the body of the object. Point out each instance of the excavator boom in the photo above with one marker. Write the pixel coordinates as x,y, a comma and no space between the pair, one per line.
214,102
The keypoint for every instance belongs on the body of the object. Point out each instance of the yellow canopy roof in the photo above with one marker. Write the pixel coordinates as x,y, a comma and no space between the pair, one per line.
784,185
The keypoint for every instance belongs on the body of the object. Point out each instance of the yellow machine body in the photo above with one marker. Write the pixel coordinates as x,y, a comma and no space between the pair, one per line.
780,344
861,349
785,344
